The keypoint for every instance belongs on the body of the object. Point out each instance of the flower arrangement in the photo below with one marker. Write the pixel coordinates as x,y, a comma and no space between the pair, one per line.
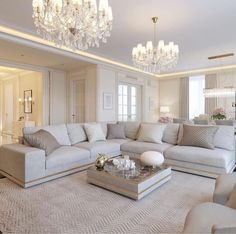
218,113
165,119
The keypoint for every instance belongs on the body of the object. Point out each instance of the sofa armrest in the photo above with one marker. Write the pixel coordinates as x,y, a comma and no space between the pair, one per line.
224,229
22,162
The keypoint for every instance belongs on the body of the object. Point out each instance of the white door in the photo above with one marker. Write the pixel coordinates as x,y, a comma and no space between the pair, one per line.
78,100
8,108
129,102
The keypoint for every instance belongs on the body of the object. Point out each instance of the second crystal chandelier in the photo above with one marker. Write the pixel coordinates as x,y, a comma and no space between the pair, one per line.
155,57
77,24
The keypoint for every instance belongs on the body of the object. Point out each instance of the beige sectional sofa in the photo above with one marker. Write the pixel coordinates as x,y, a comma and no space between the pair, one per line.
29,166
218,216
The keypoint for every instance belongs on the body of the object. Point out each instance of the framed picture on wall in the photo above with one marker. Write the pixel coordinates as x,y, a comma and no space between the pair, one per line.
107,101
28,101
152,104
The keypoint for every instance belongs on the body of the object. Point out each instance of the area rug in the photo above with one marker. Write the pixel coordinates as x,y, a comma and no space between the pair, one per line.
70,205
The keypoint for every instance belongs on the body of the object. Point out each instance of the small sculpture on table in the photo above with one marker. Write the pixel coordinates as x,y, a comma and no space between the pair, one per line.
100,161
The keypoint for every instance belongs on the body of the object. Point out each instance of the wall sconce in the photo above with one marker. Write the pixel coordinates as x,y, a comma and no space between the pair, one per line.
20,101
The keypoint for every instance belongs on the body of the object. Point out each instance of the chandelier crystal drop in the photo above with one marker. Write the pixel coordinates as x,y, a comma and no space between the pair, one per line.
77,24
155,57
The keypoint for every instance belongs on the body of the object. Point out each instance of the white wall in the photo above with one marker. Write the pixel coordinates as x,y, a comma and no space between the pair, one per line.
58,107
106,83
108,80
89,75
169,95
0,106
31,81
27,80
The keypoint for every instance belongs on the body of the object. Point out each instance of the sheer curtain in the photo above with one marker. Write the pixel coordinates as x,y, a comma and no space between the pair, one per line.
184,98
210,103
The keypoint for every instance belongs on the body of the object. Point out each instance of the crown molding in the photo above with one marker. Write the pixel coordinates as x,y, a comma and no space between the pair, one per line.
196,72
27,39
36,42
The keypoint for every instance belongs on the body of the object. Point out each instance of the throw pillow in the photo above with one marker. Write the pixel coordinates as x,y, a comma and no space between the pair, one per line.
42,140
94,132
60,133
200,136
224,137
151,133
170,134
131,129
115,131
76,133
232,199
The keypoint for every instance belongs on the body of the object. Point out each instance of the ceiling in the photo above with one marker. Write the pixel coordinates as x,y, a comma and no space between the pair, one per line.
200,28
27,55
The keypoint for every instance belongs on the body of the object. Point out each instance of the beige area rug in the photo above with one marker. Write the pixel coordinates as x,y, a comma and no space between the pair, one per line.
70,205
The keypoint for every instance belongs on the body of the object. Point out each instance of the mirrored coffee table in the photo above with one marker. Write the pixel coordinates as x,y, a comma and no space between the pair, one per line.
134,184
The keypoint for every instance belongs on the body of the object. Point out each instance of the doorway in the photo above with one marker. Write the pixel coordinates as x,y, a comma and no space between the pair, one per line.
21,100
78,101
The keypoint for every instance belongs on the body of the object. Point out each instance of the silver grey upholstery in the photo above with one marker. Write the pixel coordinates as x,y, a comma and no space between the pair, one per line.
214,217
223,187
210,218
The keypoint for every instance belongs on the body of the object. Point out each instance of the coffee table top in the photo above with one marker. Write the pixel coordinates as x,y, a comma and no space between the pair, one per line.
137,175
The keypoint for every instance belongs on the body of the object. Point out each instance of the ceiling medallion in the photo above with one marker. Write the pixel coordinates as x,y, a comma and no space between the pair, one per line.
77,24
155,57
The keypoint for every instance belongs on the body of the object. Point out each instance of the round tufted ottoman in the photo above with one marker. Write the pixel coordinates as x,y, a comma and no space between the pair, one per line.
152,158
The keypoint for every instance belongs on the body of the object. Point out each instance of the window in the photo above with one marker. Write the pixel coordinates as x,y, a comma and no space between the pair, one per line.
128,102
196,97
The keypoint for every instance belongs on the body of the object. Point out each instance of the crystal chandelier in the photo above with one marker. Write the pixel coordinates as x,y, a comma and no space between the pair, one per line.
77,24
155,57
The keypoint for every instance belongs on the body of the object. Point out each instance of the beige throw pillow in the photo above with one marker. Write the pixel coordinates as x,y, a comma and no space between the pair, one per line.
151,133
232,199
200,136
42,140
94,132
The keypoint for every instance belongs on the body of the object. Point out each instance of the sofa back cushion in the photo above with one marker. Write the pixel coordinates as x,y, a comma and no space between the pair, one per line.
76,133
131,129
58,131
225,138
42,140
170,134
151,133
94,132
199,136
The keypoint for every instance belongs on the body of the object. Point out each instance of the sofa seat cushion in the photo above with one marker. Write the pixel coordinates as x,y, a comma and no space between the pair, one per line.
223,187
120,141
66,155
100,147
141,147
216,158
203,217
